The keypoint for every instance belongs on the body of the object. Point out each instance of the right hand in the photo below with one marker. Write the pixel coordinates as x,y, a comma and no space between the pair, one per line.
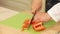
36,5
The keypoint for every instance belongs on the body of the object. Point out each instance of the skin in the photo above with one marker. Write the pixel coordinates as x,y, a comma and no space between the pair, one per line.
36,5
40,16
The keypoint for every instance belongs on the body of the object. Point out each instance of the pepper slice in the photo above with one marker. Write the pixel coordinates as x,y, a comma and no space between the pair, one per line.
38,26
26,24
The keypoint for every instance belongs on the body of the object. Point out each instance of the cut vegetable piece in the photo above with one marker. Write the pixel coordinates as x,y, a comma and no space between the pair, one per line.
26,24
38,26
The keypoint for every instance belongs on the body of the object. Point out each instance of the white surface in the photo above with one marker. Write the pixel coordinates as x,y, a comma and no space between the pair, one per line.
54,12
6,13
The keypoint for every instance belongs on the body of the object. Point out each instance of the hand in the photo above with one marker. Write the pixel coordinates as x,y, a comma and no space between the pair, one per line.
41,16
36,5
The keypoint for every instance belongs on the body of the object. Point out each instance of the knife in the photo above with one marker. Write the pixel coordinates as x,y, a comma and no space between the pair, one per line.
33,17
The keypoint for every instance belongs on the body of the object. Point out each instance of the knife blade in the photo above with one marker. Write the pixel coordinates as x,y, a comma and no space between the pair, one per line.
33,17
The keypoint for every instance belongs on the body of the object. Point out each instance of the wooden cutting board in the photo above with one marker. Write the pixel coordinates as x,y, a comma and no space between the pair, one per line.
55,29
17,21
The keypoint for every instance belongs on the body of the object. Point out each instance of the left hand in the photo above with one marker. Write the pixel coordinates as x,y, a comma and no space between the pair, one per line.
41,16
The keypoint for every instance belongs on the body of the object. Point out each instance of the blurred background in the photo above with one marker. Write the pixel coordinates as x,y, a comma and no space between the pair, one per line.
19,5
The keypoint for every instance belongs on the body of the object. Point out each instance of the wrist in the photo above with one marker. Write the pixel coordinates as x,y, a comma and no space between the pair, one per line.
48,16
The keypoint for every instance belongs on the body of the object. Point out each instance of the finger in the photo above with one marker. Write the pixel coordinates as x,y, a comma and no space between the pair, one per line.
35,11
